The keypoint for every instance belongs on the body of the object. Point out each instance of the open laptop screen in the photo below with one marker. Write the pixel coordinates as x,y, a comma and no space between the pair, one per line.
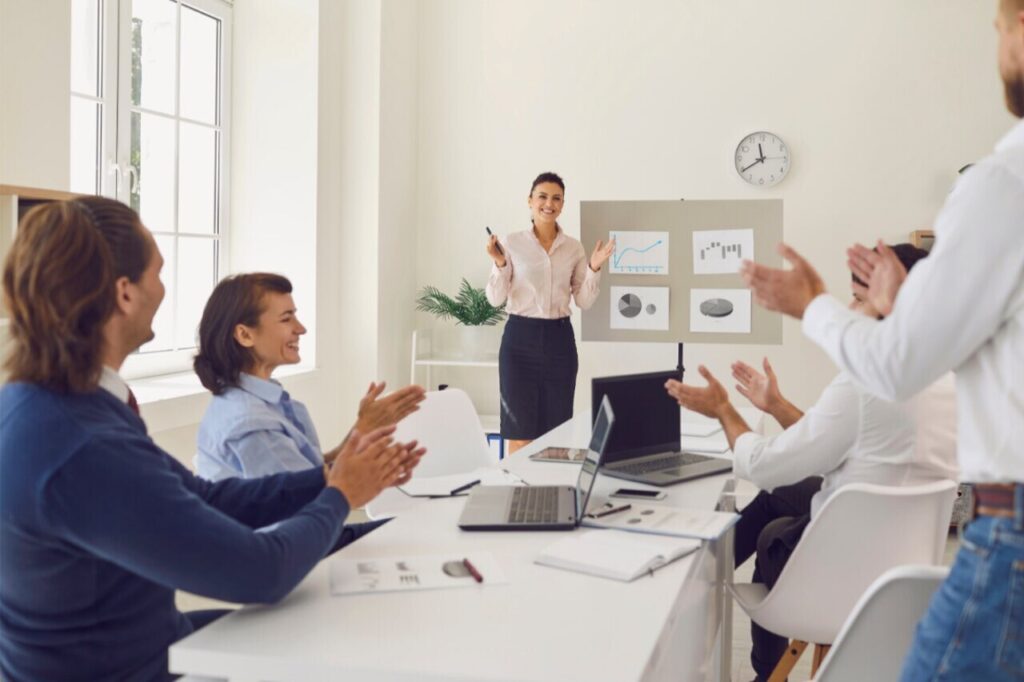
647,417
598,442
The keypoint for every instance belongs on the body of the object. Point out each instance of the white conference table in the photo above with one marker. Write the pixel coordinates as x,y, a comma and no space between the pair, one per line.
543,624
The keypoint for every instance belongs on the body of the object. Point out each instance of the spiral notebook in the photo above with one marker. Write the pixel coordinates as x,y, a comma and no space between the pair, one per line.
615,554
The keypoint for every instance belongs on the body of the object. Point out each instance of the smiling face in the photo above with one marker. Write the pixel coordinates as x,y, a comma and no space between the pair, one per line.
146,294
546,201
274,341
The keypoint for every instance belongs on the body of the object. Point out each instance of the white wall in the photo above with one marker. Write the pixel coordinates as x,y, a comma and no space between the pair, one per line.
35,93
273,130
647,100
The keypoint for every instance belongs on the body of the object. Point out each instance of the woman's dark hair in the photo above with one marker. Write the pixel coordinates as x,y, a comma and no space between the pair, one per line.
59,288
235,300
547,177
908,254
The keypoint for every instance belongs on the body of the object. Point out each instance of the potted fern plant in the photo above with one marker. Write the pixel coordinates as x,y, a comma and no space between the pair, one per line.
470,310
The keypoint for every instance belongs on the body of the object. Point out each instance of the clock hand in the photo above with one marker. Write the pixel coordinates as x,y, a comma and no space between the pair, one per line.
752,165
761,152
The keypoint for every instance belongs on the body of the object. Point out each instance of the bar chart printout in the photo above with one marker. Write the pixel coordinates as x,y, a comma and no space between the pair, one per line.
720,252
639,253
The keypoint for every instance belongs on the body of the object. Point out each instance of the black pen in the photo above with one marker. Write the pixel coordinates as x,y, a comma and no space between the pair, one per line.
613,510
463,488
496,243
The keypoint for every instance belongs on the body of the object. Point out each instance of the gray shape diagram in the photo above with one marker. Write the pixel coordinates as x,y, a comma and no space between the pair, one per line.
630,305
716,307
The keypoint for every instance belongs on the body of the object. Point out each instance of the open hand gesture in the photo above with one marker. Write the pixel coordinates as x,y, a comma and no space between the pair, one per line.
786,291
883,272
375,411
367,464
762,390
709,401
602,252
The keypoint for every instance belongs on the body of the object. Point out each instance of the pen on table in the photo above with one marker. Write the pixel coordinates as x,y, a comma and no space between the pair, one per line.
464,488
472,571
516,476
613,510
496,242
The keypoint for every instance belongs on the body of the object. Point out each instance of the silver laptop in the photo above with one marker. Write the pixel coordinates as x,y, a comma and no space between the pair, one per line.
540,507
645,446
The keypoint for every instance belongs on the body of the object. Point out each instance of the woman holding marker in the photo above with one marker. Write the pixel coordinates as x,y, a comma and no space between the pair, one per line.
536,272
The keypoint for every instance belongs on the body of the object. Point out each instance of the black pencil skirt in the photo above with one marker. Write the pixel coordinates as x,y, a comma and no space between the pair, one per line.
537,368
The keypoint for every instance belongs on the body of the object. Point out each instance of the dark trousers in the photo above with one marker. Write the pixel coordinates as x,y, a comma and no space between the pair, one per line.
771,526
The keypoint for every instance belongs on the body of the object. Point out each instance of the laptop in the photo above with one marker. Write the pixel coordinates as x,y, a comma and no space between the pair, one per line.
540,507
645,445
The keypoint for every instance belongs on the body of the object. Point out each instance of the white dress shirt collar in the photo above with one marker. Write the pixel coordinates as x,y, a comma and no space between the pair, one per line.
1013,138
112,383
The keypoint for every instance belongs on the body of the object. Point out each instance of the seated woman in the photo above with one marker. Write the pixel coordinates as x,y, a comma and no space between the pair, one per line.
848,436
252,427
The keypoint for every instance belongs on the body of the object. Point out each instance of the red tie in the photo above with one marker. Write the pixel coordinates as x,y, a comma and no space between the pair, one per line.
133,403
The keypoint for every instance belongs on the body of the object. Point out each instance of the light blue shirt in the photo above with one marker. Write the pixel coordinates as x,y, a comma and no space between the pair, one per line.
255,429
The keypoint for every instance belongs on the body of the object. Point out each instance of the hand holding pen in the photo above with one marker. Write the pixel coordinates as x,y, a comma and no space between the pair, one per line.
494,249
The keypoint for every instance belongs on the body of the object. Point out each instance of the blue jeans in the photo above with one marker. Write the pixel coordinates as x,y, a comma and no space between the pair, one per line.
974,627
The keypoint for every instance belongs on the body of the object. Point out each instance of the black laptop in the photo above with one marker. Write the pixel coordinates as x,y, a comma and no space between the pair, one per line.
540,507
645,444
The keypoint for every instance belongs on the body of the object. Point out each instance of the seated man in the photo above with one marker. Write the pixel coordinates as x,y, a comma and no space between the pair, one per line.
848,436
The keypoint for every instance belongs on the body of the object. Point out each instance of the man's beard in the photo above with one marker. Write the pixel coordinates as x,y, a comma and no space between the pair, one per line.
1015,95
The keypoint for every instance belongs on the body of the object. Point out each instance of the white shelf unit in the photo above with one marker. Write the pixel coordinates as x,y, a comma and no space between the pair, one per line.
426,356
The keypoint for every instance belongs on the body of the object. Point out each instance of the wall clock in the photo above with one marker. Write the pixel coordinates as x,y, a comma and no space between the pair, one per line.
762,159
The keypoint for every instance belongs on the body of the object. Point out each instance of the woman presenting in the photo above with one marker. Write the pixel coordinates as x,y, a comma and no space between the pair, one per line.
536,271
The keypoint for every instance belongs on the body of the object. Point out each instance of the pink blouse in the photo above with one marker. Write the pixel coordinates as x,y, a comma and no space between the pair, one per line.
537,283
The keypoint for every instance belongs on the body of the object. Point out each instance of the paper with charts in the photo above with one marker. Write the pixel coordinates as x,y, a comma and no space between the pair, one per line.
720,252
404,574
720,311
639,308
639,253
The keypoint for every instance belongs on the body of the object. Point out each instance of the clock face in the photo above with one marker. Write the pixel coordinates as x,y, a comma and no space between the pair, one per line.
762,159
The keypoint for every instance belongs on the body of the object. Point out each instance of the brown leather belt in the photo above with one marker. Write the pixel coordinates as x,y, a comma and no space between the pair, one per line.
995,499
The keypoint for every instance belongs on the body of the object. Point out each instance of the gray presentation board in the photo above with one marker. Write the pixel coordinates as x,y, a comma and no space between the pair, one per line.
681,219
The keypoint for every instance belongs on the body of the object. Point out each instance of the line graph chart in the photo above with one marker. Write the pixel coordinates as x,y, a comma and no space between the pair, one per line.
639,253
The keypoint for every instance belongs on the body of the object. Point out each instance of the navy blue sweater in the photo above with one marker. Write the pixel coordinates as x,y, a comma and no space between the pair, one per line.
99,526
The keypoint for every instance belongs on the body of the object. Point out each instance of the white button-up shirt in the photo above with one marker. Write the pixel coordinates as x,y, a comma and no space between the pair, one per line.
539,283
850,436
960,309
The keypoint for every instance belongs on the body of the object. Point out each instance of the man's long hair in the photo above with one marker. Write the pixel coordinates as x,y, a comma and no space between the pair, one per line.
59,288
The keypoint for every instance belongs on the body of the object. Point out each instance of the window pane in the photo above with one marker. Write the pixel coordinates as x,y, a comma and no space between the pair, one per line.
198,257
197,179
153,160
85,126
199,65
85,46
154,35
163,323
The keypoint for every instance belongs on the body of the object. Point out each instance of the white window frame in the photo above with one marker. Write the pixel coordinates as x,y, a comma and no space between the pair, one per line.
119,179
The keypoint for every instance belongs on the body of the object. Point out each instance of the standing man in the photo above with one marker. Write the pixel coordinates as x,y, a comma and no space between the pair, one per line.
961,309
99,525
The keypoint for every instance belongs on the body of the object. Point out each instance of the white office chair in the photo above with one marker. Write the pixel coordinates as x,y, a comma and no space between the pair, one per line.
877,635
448,426
858,534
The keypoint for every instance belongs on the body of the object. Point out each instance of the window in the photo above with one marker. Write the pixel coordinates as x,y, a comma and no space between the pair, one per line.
148,122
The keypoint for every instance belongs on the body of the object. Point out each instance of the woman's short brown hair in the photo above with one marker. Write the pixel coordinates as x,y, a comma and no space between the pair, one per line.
58,288
235,300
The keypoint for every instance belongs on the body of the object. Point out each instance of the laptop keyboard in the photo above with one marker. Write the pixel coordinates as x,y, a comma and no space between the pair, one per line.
534,504
671,462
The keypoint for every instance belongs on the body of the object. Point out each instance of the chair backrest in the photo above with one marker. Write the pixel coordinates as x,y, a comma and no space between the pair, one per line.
448,426
877,635
859,533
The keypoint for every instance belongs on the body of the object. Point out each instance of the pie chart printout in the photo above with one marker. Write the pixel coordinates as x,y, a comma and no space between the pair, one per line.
639,308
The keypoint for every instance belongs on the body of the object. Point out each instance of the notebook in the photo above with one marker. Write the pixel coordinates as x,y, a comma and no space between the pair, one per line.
615,554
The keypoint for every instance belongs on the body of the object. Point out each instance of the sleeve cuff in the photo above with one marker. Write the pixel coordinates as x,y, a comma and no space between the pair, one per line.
741,452
818,316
